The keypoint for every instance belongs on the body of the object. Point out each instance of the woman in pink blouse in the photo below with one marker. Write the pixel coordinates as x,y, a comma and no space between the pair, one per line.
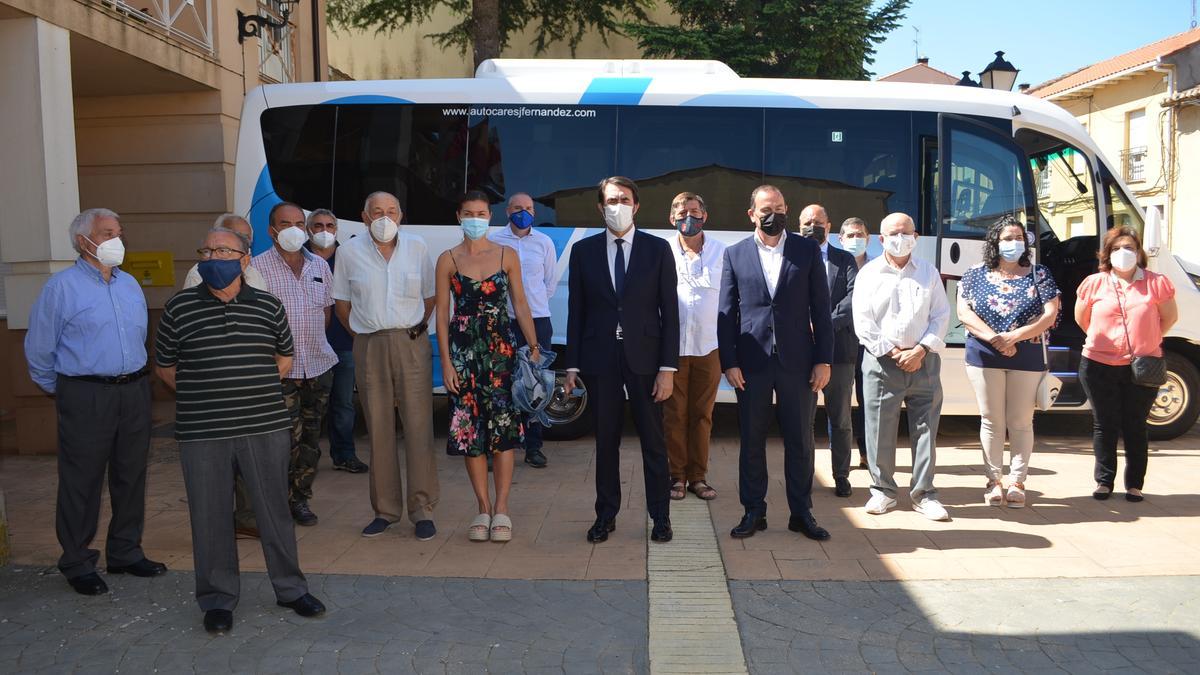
1125,309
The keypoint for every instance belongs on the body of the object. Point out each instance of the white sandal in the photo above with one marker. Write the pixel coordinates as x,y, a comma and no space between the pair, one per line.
478,531
1016,496
995,494
501,528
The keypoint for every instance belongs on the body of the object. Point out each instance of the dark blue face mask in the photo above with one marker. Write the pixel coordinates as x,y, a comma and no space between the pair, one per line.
689,226
219,274
522,220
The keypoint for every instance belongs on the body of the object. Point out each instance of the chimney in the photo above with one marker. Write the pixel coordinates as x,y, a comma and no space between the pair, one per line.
1023,88
923,60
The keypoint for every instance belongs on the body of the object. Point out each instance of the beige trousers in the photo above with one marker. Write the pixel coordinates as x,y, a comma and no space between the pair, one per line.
395,372
687,416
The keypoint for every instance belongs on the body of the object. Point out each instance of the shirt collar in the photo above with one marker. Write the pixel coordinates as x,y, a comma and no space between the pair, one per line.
628,236
763,247
825,249
244,293
94,273
911,265
1138,274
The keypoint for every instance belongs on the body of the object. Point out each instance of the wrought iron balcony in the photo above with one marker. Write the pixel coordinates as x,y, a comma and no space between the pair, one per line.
189,21
1133,163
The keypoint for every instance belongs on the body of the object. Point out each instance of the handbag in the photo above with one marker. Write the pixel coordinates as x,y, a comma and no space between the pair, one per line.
1049,386
1147,371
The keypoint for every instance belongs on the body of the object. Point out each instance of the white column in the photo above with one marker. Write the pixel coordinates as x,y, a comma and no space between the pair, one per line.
39,178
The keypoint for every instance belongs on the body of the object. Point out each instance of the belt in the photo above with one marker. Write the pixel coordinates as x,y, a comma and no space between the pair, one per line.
119,379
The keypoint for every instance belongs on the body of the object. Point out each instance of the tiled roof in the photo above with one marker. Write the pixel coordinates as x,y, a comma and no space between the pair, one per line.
1129,60
1186,96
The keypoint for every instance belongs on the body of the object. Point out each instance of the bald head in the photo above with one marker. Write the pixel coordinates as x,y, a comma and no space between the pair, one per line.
897,223
814,214
232,221
380,204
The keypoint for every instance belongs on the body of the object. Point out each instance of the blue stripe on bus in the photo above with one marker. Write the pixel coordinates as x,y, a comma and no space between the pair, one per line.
615,91
366,98
750,99
261,203
560,236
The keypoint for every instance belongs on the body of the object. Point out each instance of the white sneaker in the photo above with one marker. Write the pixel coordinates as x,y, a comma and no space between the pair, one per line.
880,504
931,509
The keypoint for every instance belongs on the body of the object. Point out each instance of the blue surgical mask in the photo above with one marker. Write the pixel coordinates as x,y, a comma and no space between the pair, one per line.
522,220
474,228
1011,249
855,246
219,274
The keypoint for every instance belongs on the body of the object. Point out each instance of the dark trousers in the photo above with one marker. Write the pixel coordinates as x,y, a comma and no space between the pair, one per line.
606,397
793,408
340,417
545,335
306,401
208,468
1119,409
101,427
856,413
837,409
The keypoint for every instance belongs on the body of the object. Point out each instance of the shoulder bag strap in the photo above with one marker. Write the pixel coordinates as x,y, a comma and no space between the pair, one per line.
1124,321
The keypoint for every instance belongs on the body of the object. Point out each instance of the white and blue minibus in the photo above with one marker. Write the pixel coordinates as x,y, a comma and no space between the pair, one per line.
954,158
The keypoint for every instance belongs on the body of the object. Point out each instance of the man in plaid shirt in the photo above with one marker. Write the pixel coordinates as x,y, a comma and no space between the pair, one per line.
302,282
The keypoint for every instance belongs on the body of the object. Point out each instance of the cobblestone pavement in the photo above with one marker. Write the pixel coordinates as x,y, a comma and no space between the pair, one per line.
374,624
1131,625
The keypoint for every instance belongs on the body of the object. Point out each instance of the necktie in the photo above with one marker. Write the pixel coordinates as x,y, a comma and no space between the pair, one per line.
619,268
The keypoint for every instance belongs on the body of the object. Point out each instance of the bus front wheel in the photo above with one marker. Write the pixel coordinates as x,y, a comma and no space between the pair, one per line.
1178,402
568,411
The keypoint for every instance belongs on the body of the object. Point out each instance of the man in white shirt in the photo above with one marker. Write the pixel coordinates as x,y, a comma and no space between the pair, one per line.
538,272
687,415
383,289
901,315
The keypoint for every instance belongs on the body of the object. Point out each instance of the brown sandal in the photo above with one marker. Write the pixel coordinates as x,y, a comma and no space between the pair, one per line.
702,490
677,491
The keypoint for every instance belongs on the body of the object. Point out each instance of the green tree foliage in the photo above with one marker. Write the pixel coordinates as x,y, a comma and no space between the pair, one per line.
823,39
486,26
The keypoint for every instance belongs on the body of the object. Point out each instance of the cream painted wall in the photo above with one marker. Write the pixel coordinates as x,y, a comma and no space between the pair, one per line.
407,53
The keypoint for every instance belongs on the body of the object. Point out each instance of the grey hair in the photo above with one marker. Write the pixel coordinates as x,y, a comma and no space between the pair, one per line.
83,224
320,212
379,193
519,194
851,222
223,220
245,241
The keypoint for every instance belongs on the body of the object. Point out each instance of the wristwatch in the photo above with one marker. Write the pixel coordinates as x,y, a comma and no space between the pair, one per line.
414,332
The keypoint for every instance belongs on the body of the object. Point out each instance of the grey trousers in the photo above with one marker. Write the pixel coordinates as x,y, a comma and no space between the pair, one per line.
208,468
838,393
101,426
885,388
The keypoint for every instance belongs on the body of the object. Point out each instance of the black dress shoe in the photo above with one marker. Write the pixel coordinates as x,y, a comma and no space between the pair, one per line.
303,515
218,620
88,584
662,531
749,525
535,458
842,487
142,568
305,605
600,529
807,525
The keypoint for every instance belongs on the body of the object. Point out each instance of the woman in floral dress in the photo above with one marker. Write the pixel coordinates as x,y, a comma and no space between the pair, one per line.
478,358
1006,304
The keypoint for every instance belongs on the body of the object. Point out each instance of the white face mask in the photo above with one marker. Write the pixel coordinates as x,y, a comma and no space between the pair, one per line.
291,239
1123,259
324,239
618,217
384,229
899,245
110,253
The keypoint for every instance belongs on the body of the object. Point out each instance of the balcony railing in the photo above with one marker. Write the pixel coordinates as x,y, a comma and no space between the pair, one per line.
188,21
1133,163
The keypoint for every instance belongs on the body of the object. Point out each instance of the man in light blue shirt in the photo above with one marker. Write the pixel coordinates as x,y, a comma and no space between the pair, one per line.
86,346
539,272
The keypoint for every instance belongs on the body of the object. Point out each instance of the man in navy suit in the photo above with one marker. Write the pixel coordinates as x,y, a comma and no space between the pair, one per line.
775,336
840,270
623,336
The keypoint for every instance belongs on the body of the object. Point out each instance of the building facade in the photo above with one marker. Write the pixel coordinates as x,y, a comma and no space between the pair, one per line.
132,106
1143,110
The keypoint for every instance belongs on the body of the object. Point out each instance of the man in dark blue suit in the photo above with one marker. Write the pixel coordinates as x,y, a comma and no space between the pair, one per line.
840,270
623,336
775,336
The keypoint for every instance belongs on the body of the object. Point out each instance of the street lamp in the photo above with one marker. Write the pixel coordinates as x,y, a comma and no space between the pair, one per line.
966,80
999,74
251,25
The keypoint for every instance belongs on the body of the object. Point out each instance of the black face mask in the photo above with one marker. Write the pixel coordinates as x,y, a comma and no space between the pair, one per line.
814,232
772,224
689,226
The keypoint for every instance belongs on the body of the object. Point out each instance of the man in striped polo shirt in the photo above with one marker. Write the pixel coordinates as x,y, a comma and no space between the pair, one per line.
224,347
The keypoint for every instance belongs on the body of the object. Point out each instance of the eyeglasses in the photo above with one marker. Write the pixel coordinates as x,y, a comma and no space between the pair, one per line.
222,252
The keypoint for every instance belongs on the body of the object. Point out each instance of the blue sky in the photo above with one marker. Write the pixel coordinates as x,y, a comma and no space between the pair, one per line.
1043,38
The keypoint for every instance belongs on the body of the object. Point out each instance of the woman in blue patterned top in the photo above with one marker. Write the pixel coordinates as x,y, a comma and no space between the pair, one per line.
1006,304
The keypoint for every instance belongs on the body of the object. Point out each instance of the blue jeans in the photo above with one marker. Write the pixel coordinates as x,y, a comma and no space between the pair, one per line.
341,409
545,333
